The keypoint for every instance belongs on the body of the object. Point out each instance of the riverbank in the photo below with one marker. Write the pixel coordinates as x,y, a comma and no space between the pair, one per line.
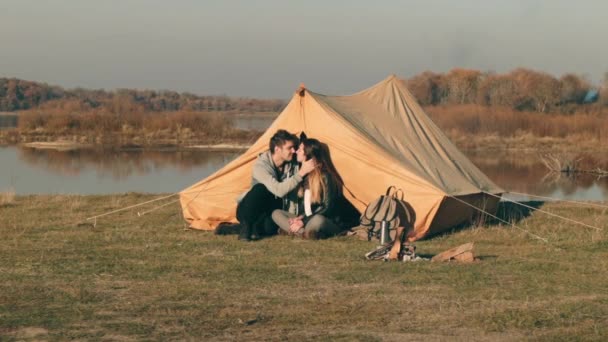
131,277
69,146
528,143
470,127
231,141
523,143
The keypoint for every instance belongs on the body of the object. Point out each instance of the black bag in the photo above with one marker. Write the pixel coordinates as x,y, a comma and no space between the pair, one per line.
390,208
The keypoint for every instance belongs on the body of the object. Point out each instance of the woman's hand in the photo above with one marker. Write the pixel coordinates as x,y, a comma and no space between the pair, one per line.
296,224
293,219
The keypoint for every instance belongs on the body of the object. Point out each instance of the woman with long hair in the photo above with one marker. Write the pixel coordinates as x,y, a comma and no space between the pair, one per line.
316,205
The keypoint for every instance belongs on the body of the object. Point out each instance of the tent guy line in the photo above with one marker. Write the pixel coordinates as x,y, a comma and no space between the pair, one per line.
549,213
139,214
559,199
545,240
129,207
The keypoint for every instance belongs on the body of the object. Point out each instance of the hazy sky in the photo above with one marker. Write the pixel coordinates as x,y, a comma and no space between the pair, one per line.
266,48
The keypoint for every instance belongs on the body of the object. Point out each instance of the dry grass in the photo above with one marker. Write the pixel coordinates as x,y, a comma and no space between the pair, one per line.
149,278
525,129
131,128
469,126
7,197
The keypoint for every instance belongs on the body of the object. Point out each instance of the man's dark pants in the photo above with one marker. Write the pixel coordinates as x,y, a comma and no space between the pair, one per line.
255,210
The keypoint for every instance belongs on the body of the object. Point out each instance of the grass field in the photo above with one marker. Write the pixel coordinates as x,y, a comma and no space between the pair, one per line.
150,278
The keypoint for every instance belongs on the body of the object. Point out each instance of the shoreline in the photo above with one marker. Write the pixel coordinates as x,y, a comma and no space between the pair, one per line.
520,144
57,145
69,146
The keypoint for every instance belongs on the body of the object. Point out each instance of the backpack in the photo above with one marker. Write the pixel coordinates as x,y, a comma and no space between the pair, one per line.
389,207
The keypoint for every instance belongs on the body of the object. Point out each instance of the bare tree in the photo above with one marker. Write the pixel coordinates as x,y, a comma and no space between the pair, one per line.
462,85
498,90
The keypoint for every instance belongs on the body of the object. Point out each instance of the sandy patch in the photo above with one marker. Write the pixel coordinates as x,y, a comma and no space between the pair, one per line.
57,145
220,147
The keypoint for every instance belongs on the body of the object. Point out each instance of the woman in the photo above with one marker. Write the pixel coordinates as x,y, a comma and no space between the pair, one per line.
316,200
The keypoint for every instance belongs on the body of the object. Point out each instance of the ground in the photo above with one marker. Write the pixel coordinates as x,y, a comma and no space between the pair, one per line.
132,278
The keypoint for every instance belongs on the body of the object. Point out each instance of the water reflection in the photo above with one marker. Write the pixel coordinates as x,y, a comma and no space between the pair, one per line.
99,171
119,165
527,174
95,171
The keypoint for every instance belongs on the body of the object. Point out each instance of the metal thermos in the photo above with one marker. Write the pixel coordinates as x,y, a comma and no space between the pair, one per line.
385,236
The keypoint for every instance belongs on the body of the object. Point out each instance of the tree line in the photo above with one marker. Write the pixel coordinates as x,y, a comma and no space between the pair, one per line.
16,95
520,90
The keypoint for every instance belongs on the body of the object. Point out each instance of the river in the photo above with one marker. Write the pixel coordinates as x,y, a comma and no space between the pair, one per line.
103,171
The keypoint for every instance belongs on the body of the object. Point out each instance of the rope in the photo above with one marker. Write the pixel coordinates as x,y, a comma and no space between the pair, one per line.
548,213
155,208
353,195
561,200
509,223
129,207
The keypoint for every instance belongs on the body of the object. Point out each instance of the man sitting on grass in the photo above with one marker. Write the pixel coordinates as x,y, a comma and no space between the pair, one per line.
275,175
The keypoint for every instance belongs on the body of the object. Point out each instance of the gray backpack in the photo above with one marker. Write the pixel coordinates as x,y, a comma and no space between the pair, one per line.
389,207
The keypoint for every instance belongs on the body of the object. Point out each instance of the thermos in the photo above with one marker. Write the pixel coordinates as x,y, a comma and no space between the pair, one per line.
385,236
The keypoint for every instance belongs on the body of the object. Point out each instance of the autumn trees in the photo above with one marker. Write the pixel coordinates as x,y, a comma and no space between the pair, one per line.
520,89
18,94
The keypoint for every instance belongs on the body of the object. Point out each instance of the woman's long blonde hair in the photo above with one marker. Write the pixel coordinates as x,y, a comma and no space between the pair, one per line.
314,149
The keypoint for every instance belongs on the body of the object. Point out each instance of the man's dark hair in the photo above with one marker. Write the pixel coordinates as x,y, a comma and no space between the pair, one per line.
280,138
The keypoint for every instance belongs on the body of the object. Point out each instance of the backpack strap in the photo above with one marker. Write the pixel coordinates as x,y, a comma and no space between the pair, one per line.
385,218
396,194
388,190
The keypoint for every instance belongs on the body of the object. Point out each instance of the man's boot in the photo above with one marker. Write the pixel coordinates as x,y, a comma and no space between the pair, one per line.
257,230
227,228
270,228
245,233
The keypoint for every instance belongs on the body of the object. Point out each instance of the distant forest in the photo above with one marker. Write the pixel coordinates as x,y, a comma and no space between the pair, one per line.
17,95
520,90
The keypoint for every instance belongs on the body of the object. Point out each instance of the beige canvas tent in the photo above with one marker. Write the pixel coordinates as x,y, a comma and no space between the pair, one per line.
377,138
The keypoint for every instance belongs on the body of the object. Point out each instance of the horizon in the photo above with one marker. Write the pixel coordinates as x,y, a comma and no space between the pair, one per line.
266,49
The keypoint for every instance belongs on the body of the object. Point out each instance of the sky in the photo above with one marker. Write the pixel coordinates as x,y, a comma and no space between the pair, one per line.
266,48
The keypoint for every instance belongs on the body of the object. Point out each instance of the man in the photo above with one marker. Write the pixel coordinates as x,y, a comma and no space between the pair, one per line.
274,176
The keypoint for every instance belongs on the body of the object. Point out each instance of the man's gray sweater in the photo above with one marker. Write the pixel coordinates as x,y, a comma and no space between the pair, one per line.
279,184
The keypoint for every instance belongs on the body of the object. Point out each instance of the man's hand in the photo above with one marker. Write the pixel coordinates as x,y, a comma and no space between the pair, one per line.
307,167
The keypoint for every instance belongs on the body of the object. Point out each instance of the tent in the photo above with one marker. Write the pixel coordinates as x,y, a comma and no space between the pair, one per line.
377,137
